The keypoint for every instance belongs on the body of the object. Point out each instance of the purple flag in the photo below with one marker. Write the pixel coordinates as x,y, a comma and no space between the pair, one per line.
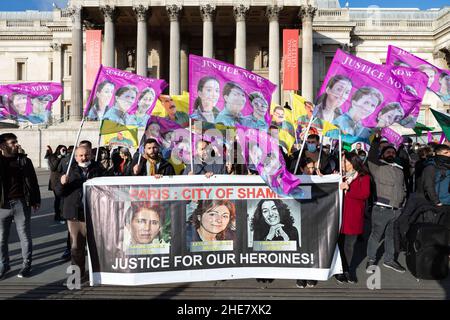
29,101
164,132
226,94
357,95
441,140
429,136
123,97
261,150
438,79
392,137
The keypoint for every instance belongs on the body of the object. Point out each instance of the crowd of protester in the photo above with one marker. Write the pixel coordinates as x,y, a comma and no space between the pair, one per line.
377,184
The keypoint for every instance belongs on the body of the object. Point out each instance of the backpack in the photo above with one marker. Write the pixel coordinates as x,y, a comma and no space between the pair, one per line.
442,185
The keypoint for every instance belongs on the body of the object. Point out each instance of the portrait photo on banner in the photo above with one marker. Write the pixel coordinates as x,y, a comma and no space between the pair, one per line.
30,102
146,228
211,225
274,224
225,94
123,97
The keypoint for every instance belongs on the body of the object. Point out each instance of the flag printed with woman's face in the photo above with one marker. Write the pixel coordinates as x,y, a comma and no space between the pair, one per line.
438,79
123,97
29,101
223,93
262,151
358,95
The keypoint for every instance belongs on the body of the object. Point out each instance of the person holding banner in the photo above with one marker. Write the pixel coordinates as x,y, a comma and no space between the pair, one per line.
19,192
364,102
208,91
260,106
329,104
212,220
235,99
151,163
70,188
356,188
119,113
145,101
102,100
390,114
204,161
390,190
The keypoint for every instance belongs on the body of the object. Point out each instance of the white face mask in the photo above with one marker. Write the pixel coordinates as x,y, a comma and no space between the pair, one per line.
63,152
84,164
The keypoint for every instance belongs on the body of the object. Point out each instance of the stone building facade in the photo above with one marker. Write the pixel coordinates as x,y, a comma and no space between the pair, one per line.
155,37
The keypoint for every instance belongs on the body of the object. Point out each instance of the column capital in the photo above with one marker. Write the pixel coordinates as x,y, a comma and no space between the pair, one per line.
75,13
240,12
174,11
55,46
272,12
142,12
109,13
208,12
307,12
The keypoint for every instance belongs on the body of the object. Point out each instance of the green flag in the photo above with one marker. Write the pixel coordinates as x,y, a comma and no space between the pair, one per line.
444,122
419,128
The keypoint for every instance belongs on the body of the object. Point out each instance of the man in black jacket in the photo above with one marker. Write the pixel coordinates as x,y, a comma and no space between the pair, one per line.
19,192
204,163
151,163
70,188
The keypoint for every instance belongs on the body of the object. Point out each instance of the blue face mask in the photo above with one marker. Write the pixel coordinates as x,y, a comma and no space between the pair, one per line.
362,158
311,147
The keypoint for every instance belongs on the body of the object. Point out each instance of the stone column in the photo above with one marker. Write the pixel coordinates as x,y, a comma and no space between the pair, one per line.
208,12
142,13
76,93
307,13
109,15
274,49
240,13
57,56
174,69
184,67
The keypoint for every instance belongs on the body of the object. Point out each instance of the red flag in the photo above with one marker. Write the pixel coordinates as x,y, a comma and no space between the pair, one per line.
93,55
290,59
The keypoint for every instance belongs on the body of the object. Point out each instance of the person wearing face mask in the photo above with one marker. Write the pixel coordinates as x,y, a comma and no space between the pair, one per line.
390,195
54,160
312,150
204,162
70,188
434,183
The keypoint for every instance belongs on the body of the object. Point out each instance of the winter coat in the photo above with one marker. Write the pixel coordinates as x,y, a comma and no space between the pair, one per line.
72,192
31,190
354,205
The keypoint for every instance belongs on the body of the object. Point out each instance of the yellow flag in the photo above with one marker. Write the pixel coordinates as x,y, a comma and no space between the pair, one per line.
127,138
298,106
182,102
327,126
158,110
109,126
286,140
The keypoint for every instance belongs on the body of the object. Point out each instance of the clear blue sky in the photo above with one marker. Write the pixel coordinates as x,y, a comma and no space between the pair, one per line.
18,5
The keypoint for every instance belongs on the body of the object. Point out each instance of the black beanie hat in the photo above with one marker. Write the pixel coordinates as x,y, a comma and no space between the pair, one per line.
386,148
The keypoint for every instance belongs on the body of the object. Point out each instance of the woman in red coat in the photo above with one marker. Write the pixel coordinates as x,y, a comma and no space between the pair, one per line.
356,188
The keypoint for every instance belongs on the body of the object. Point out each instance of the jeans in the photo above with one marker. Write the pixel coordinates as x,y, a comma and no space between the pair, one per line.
347,244
18,210
382,223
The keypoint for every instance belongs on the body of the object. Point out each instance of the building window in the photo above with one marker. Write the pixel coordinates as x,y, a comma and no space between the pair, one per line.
69,67
20,71
50,71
